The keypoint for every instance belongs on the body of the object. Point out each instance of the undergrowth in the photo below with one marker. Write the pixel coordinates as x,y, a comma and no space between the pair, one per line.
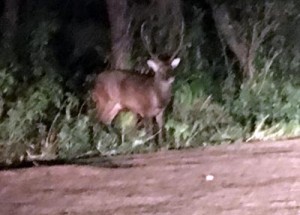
41,120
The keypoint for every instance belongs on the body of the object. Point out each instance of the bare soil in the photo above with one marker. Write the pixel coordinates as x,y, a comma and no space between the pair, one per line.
256,179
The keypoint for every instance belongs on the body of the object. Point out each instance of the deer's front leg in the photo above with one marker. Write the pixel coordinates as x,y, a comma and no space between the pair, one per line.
160,122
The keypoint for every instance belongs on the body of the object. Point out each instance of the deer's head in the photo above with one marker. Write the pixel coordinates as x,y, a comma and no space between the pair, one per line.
162,65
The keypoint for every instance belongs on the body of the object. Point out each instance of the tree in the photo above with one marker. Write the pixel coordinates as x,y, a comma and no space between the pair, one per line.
244,38
121,41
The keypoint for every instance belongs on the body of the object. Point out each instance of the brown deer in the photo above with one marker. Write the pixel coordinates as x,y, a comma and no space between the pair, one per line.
144,94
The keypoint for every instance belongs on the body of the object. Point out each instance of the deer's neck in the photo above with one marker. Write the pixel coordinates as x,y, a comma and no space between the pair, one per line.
164,89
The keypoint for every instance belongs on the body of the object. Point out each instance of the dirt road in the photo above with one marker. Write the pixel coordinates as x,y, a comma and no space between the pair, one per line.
256,179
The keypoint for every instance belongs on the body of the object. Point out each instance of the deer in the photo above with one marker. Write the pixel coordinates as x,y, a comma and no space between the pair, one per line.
146,95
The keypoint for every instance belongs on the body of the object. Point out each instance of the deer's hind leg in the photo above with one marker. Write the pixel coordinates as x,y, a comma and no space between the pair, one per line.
109,113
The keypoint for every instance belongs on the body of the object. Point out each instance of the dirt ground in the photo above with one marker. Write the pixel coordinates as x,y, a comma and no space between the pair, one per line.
240,179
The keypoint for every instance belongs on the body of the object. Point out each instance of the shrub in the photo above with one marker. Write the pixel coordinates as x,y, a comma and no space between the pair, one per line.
198,119
265,102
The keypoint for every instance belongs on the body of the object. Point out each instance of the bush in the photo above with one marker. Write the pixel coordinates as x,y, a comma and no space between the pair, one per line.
45,123
265,102
198,119
39,118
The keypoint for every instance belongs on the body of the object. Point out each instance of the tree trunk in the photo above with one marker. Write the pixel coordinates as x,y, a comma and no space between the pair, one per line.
121,41
236,43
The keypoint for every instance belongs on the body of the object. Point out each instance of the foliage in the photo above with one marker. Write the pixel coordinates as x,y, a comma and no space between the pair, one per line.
39,119
265,102
199,119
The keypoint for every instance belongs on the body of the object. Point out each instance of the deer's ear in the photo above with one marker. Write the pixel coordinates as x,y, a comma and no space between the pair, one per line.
153,65
175,62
